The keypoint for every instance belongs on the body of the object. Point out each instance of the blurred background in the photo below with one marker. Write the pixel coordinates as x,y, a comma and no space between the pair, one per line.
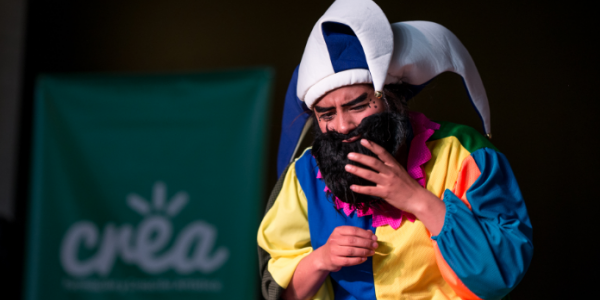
538,61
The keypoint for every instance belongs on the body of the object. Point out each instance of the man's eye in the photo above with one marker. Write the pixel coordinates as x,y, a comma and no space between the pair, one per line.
326,117
360,107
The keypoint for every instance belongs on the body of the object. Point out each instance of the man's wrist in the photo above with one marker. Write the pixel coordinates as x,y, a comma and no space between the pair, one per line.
423,202
318,260
431,211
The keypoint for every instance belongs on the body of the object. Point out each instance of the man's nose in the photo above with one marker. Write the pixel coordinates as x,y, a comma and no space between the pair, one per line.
346,124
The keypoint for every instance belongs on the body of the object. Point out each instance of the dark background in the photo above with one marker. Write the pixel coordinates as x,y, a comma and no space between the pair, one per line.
538,62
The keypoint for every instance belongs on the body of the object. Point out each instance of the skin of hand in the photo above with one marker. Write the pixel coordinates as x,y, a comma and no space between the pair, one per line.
396,187
346,246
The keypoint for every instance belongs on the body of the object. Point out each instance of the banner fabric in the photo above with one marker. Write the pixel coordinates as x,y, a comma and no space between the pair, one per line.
147,186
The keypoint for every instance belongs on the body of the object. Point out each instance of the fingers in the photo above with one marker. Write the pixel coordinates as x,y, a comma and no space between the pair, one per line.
368,161
383,154
355,231
348,246
368,175
341,261
353,241
369,190
353,251
363,173
349,236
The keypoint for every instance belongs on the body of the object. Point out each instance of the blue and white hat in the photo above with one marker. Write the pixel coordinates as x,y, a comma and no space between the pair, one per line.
354,43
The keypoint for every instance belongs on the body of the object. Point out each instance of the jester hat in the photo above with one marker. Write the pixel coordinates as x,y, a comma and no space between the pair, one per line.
354,43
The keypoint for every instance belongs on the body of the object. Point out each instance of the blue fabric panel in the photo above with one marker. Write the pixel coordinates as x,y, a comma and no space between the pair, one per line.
354,282
295,115
489,247
345,50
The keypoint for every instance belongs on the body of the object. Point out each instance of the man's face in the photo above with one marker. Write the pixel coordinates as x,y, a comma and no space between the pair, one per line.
343,109
344,116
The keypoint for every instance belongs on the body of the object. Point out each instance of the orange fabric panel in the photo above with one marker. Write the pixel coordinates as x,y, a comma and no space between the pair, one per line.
447,157
448,274
469,172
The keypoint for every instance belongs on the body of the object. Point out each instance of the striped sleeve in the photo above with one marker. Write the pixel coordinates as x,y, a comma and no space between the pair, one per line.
284,237
485,246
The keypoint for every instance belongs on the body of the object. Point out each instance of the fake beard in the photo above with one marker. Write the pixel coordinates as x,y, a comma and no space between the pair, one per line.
387,129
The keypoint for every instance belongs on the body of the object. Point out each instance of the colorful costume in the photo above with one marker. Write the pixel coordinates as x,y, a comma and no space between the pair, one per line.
482,251
484,247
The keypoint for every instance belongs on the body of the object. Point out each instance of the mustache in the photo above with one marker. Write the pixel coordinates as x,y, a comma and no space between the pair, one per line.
387,129
338,136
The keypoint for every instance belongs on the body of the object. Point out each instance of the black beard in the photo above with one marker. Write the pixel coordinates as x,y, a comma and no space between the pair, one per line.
387,129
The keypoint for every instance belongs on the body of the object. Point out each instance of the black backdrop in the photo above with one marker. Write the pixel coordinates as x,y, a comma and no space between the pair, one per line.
538,62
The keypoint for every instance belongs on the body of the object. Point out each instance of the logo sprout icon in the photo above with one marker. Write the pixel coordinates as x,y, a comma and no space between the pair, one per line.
159,195
145,245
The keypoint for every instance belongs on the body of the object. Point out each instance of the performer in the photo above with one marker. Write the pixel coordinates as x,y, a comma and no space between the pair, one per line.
388,204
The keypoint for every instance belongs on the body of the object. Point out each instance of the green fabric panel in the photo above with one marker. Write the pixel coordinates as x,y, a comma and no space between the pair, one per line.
470,138
147,186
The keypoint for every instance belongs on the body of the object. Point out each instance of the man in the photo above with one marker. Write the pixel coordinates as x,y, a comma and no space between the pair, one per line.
388,204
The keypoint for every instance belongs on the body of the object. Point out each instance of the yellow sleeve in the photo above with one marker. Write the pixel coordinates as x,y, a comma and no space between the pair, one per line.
283,232
285,236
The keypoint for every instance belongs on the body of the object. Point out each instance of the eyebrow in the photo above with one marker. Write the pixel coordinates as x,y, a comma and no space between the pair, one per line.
359,99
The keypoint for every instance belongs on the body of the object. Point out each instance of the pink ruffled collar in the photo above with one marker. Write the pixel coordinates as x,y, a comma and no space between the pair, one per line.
418,155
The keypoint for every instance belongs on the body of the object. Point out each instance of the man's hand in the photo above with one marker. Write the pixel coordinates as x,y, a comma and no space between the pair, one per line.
393,184
396,187
346,246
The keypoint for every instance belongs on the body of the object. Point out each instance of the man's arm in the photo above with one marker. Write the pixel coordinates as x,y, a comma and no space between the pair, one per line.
289,267
346,246
485,246
482,236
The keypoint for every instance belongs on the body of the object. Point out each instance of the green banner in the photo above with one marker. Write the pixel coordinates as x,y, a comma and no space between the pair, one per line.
147,186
